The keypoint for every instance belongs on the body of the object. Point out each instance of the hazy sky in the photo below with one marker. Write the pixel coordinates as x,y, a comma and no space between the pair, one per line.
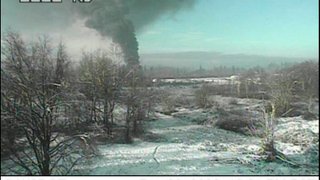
266,27
262,27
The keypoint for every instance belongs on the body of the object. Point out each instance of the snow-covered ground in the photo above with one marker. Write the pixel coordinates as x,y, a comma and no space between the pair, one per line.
177,145
182,152
186,148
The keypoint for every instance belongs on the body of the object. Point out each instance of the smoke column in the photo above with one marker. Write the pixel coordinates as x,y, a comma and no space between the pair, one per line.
120,19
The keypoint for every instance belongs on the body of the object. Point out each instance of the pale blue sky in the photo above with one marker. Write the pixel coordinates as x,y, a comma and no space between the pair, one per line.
262,27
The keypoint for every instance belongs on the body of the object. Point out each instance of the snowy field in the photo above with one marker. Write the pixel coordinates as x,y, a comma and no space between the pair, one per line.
177,144
211,80
184,148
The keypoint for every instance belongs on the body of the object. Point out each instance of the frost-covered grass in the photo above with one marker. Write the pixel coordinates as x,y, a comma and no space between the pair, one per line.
191,149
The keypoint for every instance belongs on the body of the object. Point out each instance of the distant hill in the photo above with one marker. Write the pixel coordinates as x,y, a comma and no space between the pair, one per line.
210,59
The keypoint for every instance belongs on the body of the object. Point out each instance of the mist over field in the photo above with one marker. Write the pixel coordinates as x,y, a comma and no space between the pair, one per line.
209,60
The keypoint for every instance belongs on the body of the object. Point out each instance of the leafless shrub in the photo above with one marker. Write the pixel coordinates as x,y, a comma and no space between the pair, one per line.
268,147
202,96
233,101
169,104
235,121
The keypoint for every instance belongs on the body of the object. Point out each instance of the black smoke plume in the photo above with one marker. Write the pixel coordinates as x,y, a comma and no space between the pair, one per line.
120,19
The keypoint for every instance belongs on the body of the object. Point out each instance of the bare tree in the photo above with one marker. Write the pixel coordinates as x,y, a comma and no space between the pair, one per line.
102,74
32,104
134,100
281,93
131,81
88,77
305,75
116,80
